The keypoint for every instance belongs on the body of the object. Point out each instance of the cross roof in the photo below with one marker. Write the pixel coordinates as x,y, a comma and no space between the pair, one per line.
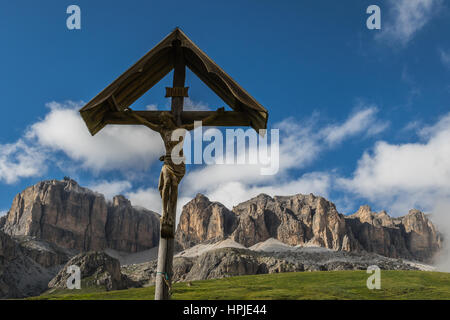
157,63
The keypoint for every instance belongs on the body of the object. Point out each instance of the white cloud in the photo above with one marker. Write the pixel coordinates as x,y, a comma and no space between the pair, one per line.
298,147
191,105
19,160
114,147
364,122
406,175
300,144
131,148
412,126
146,197
407,17
445,57
111,188
3,212
150,198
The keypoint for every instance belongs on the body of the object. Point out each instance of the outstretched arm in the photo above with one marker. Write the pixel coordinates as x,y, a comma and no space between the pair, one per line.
142,120
207,120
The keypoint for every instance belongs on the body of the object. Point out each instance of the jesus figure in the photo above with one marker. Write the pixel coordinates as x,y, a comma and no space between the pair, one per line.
173,169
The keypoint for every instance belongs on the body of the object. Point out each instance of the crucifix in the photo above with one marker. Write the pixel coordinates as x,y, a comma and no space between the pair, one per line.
112,107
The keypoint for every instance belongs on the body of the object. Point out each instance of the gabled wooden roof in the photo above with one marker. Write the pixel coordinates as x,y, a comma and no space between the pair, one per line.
157,63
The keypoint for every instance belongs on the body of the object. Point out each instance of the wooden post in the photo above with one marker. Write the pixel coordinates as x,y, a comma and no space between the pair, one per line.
166,245
179,75
165,261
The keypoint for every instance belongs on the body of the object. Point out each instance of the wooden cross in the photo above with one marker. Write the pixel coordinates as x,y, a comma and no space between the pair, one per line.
112,106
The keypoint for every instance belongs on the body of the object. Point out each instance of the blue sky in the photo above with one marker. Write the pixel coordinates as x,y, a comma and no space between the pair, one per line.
367,110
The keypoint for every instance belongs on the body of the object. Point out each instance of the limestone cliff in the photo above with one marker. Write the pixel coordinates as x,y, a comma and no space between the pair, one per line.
73,217
412,236
309,220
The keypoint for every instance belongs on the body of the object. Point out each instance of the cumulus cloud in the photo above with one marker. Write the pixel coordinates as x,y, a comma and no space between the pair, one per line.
191,105
111,188
3,212
150,199
363,121
114,147
296,149
406,18
406,175
146,197
20,160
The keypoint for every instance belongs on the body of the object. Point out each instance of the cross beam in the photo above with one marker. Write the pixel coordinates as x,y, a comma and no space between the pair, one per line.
227,118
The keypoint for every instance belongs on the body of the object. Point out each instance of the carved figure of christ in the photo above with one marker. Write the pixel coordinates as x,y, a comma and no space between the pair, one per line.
172,170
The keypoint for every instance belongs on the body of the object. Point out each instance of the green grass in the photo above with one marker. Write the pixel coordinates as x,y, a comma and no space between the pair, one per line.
295,285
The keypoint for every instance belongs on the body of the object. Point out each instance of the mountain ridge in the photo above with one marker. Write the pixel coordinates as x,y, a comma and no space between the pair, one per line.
70,216
309,220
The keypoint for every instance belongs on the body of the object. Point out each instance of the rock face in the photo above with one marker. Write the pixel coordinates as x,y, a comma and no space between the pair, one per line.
412,236
96,269
46,254
308,220
204,220
293,220
227,262
69,216
130,229
20,276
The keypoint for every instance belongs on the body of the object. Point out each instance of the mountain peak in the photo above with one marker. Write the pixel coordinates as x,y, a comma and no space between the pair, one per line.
300,220
73,217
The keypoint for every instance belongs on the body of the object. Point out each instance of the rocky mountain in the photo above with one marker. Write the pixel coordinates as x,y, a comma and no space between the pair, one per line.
97,269
307,220
73,217
412,236
56,223
46,254
229,261
203,220
20,275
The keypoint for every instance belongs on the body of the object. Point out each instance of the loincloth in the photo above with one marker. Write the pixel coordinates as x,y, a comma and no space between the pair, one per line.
176,171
